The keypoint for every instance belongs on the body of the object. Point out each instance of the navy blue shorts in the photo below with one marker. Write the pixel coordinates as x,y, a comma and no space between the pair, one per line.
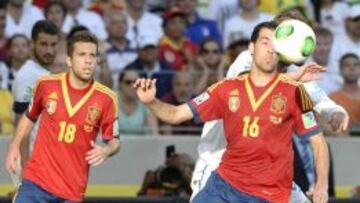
217,190
29,192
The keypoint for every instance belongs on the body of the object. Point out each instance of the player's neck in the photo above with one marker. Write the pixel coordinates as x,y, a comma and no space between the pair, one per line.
261,78
76,83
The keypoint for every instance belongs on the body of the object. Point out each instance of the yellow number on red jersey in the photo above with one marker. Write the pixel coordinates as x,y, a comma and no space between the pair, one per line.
67,132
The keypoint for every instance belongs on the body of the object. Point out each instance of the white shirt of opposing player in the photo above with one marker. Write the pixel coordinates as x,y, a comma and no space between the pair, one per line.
23,86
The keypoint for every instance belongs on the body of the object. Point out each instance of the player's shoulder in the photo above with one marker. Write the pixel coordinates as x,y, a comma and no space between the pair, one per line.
51,77
227,82
289,81
104,90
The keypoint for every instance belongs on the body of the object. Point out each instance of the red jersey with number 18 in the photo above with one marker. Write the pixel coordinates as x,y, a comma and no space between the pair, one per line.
69,120
258,124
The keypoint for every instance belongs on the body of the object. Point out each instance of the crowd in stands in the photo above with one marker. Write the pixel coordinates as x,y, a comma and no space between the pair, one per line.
171,40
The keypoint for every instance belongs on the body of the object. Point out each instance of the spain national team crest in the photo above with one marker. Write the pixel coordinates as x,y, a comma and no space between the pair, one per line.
278,104
234,101
51,106
93,115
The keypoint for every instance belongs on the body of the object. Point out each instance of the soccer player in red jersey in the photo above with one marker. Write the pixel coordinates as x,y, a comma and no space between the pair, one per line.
260,111
71,108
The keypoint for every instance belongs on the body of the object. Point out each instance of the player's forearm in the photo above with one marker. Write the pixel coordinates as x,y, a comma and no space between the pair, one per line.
113,146
169,113
23,130
321,156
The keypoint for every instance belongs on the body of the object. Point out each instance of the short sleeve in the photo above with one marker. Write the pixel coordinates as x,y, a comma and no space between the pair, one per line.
207,106
305,120
36,103
109,122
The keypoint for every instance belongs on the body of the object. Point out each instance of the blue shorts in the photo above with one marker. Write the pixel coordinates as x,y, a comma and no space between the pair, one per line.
29,192
217,190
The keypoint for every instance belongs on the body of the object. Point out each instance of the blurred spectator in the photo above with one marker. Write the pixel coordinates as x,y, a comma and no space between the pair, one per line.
3,76
140,22
333,15
245,21
198,28
175,48
350,41
103,72
56,12
171,179
135,119
6,121
102,7
331,80
183,91
149,65
21,17
19,52
349,95
220,11
275,7
118,51
210,65
41,3
79,16
3,50
236,46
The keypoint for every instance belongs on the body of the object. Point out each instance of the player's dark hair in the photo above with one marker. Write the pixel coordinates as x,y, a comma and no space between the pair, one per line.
44,26
83,36
12,38
347,55
76,29
55,3
267,24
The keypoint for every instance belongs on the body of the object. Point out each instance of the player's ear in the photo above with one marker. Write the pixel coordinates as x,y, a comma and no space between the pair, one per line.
68,61
251,48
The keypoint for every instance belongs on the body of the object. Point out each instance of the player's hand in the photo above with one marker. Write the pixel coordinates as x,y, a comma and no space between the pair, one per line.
339,121
97,155
307,72
145,89
319,194
13,159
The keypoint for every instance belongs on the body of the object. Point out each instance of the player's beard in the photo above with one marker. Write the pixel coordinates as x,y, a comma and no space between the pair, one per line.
83,78
45,60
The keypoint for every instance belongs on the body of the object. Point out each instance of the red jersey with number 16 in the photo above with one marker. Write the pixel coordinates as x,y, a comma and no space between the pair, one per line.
69,120
259,124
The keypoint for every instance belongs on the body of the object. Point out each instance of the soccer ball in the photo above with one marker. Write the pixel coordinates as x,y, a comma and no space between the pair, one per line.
294,41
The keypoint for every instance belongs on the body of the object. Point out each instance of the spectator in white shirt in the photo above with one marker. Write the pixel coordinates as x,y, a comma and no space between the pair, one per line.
140,22
21,17
118,51
333,15
350,40
79,16
245,21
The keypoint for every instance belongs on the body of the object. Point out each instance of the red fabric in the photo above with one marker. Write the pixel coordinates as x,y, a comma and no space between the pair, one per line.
259,157
177,56
40,3
58,162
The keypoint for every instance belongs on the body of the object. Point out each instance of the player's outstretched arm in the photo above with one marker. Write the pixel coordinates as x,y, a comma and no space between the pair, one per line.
321,154
13,158
146,91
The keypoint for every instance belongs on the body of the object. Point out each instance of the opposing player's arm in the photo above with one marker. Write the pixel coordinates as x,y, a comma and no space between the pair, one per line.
307,127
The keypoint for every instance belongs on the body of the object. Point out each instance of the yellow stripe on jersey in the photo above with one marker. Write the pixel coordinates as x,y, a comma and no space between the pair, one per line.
215,85
306,103
102,88
45,78
73,109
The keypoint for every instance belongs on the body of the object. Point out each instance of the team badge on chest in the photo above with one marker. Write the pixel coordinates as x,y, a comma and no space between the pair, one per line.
93,115
51,106
234,101
278,104
51,103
